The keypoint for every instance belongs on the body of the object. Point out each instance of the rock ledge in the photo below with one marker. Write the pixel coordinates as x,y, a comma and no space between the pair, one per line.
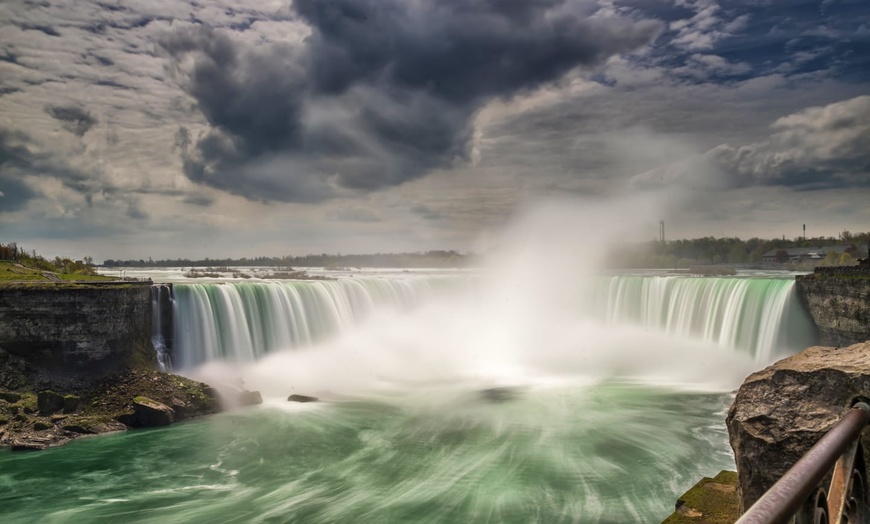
780,412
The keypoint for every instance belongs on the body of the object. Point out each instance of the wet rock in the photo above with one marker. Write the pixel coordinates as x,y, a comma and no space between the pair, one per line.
301,398
91,427
779,413
10,397
78,428
70,403
499,394
30,444
49,402
181,409
107,427
250,398
150,413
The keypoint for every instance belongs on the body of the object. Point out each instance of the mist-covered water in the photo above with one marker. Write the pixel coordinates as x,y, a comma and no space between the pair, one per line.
534,390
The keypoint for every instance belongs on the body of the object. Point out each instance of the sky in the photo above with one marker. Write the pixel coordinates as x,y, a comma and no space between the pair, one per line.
169,128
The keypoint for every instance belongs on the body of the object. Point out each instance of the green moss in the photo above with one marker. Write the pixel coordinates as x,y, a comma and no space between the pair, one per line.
143,356
28,400
710,501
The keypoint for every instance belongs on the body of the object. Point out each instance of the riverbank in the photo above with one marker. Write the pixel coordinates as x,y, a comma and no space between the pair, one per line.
35,420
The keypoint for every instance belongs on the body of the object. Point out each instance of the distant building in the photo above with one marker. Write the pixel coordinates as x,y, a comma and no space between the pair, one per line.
812,255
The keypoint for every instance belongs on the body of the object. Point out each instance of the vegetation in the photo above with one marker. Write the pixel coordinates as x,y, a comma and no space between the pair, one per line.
729,250
19,265
407,260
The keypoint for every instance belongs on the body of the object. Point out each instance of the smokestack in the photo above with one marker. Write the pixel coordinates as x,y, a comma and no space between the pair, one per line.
805,231
662,231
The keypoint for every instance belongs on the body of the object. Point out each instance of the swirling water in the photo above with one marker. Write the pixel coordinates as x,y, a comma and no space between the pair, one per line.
606,420
612,453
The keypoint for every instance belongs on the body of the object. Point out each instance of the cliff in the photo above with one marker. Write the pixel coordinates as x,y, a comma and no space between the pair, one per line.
838,299
75,330
77,359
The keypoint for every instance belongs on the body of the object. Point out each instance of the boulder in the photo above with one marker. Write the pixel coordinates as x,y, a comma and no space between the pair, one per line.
780,412
49,402
301,398
150,413
250,398
70,403
10,397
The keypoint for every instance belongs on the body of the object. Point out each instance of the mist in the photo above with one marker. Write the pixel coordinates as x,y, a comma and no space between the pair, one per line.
527,321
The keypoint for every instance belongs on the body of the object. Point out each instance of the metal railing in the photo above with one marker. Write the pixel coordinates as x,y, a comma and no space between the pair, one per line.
799,494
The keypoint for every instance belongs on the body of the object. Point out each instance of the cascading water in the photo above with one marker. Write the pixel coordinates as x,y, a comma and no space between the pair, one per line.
242,322
159,294
758,315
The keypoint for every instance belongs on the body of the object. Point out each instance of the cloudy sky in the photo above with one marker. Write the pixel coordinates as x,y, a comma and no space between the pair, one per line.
167,128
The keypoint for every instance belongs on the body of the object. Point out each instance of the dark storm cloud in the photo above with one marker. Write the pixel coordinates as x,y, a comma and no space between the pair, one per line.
382,91
20,157
14,158
47,29
199,200
73,118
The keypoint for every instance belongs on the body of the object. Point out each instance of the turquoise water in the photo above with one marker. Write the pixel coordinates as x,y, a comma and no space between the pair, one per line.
621,387
611,453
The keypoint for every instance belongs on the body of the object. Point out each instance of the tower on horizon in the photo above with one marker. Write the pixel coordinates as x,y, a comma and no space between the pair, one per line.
662,231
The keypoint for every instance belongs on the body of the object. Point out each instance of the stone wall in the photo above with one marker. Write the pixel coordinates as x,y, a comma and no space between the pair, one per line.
76,329
839,304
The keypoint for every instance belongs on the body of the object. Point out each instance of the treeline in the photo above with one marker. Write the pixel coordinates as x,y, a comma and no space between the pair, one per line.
435,258
31,259
728,250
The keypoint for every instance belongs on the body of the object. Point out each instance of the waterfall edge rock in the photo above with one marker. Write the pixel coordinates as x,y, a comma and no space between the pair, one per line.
780,412
839,302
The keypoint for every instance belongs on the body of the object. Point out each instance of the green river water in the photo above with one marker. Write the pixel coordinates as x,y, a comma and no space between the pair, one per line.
615,452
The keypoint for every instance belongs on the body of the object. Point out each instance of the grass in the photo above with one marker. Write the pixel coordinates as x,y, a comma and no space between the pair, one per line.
11,273
86,278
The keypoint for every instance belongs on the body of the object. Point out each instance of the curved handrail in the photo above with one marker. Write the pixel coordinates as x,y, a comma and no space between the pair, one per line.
838,449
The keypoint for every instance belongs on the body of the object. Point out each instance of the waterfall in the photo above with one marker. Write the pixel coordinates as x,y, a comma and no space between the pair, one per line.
160,294
242,321
760,315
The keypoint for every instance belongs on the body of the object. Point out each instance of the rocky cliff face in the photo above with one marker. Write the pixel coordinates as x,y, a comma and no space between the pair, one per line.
779,413
839,303
82,330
